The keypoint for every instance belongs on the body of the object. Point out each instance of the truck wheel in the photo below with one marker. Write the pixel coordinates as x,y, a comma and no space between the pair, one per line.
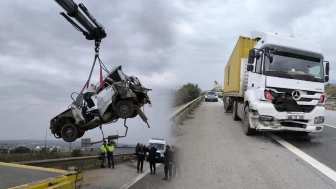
246,123
226,104
234,111
69,132
124,109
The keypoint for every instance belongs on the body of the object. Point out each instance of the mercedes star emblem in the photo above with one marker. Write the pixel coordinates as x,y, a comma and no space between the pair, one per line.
296,95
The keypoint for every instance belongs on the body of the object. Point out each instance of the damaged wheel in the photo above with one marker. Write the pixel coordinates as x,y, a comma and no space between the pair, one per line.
135,113
69,132
124,109
80,134
246,122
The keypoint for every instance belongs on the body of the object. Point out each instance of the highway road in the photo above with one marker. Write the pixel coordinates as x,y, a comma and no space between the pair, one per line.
124,150
217,154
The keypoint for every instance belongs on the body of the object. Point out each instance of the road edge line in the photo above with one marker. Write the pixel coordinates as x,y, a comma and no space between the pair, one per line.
136,179
310,160
330,126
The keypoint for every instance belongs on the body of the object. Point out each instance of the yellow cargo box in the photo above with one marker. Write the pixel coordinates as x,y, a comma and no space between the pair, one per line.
232,69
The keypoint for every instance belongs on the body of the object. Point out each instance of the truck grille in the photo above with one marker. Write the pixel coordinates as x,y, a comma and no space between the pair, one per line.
285,103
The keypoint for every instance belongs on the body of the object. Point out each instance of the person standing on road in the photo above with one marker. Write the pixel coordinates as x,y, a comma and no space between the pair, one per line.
141,157
177,161
110,148
151,158
168,163
103,150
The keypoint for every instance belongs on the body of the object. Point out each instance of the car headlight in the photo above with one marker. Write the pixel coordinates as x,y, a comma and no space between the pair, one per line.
319,120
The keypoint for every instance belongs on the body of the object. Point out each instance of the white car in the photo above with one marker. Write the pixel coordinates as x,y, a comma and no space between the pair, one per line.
120,96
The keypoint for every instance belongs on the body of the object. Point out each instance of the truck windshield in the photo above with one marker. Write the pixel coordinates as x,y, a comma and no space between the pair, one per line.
294,66
157,146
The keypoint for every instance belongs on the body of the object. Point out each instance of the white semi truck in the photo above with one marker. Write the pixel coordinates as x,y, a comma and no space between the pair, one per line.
275,82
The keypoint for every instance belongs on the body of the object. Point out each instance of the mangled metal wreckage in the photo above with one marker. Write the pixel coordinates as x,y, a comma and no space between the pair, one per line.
119,96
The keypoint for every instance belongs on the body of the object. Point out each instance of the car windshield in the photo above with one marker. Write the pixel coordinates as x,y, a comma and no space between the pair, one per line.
294,66
211,93
157,146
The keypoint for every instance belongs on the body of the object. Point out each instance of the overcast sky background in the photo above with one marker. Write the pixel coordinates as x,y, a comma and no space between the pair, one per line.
43,59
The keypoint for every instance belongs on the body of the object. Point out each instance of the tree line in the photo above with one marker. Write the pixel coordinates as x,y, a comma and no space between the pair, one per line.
185,93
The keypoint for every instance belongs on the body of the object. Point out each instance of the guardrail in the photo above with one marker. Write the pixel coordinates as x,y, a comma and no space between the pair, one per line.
331,107
81,163
179,115
90,162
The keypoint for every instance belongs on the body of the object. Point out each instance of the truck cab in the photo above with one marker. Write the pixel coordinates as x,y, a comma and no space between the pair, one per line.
284,85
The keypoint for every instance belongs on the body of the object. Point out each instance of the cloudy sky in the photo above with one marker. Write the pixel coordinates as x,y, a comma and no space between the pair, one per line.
43,59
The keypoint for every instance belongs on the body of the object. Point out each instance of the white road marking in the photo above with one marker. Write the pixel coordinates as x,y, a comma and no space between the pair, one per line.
330,126
136,179
313,162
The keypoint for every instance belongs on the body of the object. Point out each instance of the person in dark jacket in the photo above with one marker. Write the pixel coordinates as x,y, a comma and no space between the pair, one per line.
141,150
169,160
151,158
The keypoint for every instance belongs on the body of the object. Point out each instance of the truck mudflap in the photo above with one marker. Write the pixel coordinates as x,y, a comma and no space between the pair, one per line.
62,179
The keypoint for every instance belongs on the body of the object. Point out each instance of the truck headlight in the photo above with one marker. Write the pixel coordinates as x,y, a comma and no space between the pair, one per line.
319,120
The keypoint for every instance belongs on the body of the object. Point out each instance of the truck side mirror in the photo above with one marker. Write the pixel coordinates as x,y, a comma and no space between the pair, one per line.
250,67
327,68
326,78
251,56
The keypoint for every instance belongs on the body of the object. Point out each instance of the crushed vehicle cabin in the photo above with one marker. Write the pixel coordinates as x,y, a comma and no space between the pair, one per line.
117,95
120,97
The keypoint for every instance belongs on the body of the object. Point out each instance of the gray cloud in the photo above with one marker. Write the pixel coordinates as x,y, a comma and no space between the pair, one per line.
43,59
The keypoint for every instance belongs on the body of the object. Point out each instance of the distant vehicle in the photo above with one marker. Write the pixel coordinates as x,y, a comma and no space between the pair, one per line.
211,96
275,82
160,145
218,89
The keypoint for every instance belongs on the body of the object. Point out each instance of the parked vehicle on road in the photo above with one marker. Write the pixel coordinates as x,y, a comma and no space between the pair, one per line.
160,145
275,82
211,96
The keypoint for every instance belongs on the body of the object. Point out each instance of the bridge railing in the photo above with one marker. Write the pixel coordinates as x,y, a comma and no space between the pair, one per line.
81,163
89,162
181,114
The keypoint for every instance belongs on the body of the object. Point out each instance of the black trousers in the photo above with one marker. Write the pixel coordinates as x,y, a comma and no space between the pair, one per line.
152,166
168,170
140,162
102,159
110,159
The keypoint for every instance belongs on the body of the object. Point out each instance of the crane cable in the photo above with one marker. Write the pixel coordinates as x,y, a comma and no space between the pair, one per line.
102,66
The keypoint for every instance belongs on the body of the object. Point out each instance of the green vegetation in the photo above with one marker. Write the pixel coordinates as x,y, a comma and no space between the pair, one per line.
330,89
185,94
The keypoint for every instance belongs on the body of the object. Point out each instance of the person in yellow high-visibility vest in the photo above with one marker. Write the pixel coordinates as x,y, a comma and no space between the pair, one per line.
103,150
110,148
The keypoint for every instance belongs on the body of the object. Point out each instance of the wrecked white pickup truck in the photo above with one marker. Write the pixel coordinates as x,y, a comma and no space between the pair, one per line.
118,96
